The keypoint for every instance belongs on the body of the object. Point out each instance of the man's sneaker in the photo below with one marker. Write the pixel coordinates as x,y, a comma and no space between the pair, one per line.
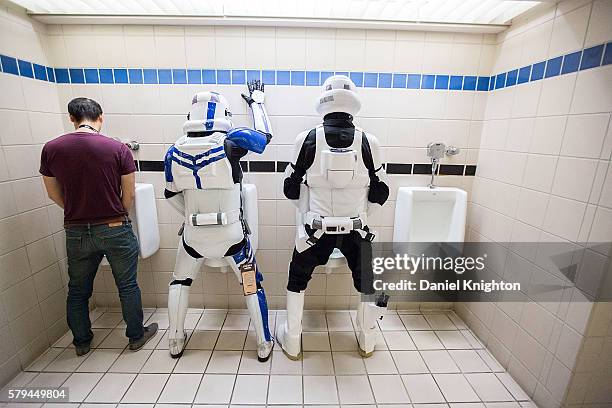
82,350
149,333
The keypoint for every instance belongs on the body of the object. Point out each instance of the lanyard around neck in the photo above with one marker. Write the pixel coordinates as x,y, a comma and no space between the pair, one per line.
88,127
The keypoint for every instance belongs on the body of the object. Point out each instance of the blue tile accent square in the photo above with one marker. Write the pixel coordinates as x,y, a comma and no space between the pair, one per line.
135,76
61,76
492,83
591,57
106,76
399,80
483,83
238,77
500,80
469,83
357,78
414,81
537,71
91,76
40,72
164,76
511,77
456,82
253,75
25,68
384,80
607,59
77,76
150,76
283,78
571,62
50,74
194,76
524,74
224,77
428,81
325,75
121,75
209,76
345,73
370,80
179,76
553,67
9,65
268,77
312,78
441,81
298,78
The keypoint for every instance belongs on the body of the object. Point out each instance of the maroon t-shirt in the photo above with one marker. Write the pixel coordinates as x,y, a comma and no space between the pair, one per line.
89,167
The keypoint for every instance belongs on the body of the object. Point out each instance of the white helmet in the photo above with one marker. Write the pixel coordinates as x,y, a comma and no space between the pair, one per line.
338,96
209,112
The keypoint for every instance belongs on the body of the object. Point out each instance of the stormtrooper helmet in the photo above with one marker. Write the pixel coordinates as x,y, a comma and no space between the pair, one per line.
338,96
209,112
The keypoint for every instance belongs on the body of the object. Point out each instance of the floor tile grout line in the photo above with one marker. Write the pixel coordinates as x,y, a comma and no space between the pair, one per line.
211,354
272,357
393,360
106,372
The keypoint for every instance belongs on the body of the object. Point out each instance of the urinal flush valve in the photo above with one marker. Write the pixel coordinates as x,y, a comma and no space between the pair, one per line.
436,151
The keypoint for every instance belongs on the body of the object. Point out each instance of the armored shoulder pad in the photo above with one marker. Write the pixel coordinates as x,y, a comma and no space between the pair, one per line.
250,139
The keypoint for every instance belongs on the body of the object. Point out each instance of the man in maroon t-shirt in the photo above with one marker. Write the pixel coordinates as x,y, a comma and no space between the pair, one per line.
91,176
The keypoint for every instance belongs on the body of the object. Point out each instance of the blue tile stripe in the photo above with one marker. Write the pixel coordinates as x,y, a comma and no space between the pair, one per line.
587,58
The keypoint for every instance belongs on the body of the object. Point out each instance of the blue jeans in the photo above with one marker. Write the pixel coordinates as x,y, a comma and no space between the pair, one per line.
85,247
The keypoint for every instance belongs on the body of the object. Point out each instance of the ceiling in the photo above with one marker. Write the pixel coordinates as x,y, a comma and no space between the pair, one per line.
369,13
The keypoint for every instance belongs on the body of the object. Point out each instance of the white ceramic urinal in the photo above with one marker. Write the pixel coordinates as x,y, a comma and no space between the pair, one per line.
424,214
249,206
144,221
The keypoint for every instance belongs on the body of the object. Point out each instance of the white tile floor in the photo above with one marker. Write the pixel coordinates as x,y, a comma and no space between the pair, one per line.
422,360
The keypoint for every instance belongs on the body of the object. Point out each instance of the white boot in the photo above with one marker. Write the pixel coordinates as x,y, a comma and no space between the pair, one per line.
178,301
289,334
258,309
368,315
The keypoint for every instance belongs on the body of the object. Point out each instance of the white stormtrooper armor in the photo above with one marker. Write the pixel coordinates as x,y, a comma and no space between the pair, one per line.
203,182
334,181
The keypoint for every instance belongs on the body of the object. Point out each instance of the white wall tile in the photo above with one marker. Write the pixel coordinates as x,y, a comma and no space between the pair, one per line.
572,178
584,135
563,209
569,31
556,95
547,134
526,98
591,95
408,56
291,53
599,23
539,172
350,54
532,207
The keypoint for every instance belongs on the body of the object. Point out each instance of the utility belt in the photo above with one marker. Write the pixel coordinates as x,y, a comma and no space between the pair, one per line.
336,226
215,218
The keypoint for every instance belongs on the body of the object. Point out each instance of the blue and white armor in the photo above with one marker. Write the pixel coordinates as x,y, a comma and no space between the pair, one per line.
203,183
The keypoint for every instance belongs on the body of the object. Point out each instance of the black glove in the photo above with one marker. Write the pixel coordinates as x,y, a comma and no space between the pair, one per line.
255,85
